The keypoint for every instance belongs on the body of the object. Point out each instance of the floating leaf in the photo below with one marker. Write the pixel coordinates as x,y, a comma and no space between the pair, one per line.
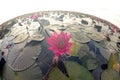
103,49
88,58
20,38
105,52
17,30
56,74
34,26
33,73
114,38
89,30
96,36
62,27
89,62
106,48
114,60
100,59
37,37
110,74
75,71
79,71
84,50
74,49
16,76
80,37
21,57
53,28
116,67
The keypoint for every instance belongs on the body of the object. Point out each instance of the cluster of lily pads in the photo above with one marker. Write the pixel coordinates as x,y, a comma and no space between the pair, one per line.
94,54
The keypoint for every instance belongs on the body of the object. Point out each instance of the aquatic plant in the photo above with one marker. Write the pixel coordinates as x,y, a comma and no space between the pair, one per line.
59,44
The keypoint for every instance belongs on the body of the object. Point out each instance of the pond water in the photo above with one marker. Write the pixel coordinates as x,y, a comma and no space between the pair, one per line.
60,45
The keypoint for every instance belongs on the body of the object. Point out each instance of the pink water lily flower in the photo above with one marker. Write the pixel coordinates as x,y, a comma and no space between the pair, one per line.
34,16
59,44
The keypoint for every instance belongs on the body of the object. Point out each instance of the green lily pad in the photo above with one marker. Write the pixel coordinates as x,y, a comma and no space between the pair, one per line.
74,49
114,60
78,35
75,72
110,74
87,57
33,73
84,50
56,74
89,62
106,48
103,49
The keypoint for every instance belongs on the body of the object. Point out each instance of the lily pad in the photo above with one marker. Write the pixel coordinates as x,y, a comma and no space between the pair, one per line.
80,37
37,37
84,50
96,36
79,72
114,38
62,27
87,57
72,29
89,62
34,26
110,74
22,57
53,28
56,74
114,59
18,32
20,38
116,67
106,48
105,52
75,49
33,73
89,30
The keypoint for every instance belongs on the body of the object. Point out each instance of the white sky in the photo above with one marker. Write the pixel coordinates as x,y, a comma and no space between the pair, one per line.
106,9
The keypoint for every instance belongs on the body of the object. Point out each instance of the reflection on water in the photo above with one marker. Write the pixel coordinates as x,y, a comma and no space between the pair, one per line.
32,45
